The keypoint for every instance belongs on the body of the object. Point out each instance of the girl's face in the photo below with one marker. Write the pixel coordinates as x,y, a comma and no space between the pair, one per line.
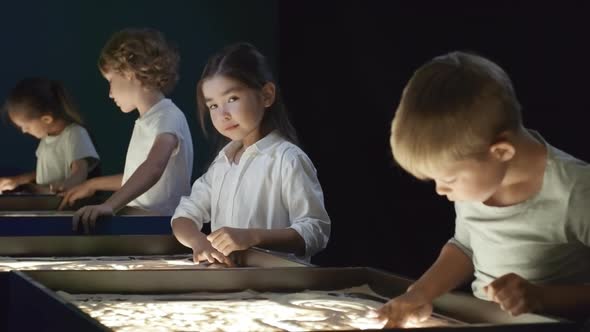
235,109
123,90
37,127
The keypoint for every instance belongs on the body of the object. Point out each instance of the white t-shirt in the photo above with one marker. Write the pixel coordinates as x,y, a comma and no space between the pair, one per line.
545,239
274,186
55,154
163,117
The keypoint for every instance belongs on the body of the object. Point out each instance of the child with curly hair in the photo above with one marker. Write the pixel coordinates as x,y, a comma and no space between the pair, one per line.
142,67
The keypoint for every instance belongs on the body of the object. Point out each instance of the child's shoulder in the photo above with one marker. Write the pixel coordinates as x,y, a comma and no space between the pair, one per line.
292,156
277,145
74,130
164,108
570,173
165,113
568,165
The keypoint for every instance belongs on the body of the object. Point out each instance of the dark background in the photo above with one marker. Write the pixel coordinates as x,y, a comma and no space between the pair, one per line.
341,67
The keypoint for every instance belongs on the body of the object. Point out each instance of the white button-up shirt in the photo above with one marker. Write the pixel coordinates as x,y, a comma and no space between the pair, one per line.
274,186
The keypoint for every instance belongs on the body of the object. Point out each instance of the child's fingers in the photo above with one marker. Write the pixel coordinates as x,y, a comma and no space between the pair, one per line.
220,244
219,241
64,201
221,258
217,256
229,262
85,222
94,214
226,248
70,198
75,221
215,235
197,258
420,314
390,314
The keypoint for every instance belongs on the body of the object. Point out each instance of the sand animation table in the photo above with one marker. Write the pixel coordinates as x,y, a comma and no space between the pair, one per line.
346,309
102,263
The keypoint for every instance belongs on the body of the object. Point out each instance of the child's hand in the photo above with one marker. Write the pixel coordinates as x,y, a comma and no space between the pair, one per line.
410,307
87,216
514,294
227,239
8,183
75,193
205,252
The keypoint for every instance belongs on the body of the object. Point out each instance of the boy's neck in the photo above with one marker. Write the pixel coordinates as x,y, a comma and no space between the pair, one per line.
147,100
525,172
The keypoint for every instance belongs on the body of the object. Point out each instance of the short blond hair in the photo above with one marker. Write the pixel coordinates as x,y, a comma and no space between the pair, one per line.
146,54
454,107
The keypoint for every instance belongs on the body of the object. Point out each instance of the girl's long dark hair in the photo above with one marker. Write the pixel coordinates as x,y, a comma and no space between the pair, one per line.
245,64
35,97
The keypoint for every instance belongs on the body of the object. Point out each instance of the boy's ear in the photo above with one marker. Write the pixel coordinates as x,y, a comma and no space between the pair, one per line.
268,94
502,151
47,119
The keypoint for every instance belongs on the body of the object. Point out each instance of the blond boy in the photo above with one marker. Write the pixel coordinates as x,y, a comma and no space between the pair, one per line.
522,220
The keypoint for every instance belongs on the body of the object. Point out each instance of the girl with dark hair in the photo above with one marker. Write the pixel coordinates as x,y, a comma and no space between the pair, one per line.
262,189
65,156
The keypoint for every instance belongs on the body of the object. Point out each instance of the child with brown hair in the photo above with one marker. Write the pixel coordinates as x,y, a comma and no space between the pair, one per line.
142,67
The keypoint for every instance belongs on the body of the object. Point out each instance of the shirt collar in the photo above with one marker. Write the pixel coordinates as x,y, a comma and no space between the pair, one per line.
263,145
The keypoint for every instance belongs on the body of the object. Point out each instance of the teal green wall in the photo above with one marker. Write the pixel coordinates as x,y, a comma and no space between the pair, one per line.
62,40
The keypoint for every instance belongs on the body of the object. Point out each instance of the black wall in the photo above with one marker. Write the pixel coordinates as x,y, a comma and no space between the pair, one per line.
343,67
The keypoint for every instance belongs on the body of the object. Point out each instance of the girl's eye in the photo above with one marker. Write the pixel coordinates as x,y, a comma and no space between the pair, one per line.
212,107
232,99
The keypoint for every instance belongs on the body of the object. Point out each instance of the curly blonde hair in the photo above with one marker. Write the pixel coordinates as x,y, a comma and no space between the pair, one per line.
146,54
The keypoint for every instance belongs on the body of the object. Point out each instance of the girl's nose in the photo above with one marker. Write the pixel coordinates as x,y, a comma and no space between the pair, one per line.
225,113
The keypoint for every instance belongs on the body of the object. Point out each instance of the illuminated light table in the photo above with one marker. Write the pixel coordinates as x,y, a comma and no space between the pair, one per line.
45,241
137,300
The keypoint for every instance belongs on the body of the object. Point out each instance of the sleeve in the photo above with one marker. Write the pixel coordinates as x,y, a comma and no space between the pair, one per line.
197,206
304,199
578,212
79,146
461,237
171,122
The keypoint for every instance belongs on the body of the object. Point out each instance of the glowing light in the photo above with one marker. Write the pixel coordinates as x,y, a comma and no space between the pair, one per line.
245,311
100,263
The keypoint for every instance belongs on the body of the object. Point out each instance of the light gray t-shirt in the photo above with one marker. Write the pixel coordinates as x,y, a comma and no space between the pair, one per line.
545,239
55,154
175,182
